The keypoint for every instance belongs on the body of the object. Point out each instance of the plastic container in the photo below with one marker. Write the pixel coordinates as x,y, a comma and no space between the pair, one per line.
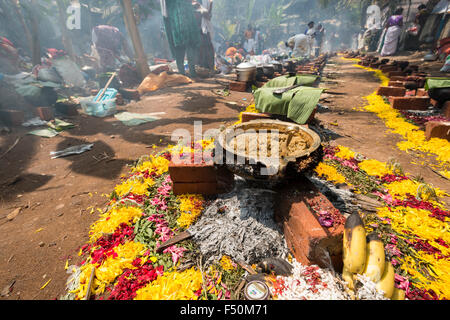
103,108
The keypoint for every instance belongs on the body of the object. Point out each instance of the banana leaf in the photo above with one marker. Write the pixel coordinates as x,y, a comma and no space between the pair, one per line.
287,81
437,83
297,104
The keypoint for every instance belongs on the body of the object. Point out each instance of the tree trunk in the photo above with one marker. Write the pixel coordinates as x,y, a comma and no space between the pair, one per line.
35,42
130,23
31,38
67,42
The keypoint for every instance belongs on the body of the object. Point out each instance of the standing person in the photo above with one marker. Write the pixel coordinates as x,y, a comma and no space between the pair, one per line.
206,52
301,45
310,30
249,33
258,40
109,42
413,34
421,17
373,26
249,43
394,30
183,32
320,32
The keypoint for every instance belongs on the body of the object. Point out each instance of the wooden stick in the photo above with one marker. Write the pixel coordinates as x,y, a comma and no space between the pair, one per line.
178,238
442,176
246,267
10,148
106,87
91,280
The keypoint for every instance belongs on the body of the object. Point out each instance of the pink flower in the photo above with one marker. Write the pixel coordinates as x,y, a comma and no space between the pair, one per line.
402,283
350,164
176,252
393,250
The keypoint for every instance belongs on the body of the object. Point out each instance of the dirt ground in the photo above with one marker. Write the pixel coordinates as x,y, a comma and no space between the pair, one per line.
55,194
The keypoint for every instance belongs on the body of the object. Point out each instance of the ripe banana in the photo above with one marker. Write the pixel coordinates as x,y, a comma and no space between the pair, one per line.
398,294
386,283
348,278
354,251
375,258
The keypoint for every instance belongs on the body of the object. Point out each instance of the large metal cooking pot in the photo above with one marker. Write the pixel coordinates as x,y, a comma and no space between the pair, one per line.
250,167
269,70
246,72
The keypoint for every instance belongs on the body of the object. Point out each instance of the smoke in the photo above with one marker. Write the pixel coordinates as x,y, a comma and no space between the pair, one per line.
280,19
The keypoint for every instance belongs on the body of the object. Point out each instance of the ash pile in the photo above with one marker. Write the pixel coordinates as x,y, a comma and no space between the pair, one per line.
241,225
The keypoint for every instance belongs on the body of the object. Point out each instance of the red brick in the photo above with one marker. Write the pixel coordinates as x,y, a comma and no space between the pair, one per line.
12,117
238,86
419,80
391,91
224,183
249,116
205,188
398,84
387,68
421,92
437,129
45,113
67,109
410,103
193,172
446,110
396,74
306,238
397,78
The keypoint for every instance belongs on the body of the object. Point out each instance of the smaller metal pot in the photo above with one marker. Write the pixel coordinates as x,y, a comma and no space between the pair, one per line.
246,72
277,66
269,70
259,73
440,94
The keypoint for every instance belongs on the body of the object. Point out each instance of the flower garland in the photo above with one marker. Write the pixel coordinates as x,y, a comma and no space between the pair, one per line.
414,224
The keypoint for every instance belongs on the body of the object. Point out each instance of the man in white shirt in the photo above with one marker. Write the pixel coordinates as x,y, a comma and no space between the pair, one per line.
301,45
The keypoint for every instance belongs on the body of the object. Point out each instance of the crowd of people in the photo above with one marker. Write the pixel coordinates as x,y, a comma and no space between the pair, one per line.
385,37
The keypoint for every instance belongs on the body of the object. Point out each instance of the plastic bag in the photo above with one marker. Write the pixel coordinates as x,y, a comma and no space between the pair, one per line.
155,82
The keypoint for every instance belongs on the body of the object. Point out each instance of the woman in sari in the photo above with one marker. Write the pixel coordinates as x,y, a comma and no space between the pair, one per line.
183,32
394,30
